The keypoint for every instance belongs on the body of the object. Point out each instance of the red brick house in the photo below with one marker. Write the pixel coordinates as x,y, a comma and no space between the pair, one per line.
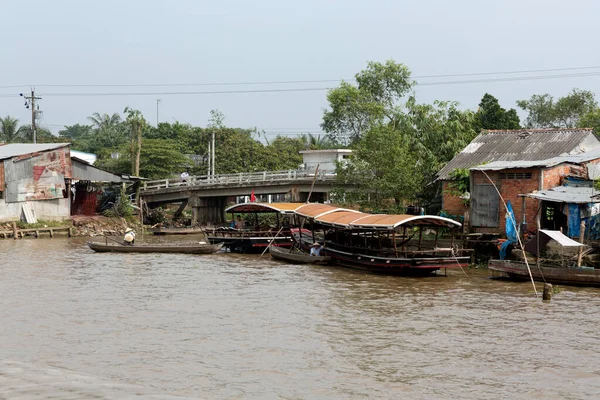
517,162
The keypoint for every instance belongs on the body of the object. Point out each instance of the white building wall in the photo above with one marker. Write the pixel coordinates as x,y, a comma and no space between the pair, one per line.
325,159
49,210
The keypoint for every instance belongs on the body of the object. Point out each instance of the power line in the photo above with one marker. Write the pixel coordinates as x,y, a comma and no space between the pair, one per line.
302,81
453,82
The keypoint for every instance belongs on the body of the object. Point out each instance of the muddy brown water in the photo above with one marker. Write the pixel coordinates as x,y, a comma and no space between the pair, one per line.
246,327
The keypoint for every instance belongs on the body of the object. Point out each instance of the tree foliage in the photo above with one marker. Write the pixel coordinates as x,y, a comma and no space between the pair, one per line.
545,112
383,168
491,115
9,130
400,144
376,99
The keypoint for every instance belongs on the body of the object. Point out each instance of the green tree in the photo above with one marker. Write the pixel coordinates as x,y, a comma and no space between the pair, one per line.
491,116
375,99
137,123
105,121
384,167
591,120
315,142
160,158
545,112
9,130
283,153
75,133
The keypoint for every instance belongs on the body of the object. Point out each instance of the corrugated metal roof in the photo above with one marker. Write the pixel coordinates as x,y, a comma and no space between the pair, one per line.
521,145
566,194
85,171
19,149
550,162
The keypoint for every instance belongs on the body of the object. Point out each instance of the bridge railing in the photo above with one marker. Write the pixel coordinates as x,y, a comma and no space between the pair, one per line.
239,178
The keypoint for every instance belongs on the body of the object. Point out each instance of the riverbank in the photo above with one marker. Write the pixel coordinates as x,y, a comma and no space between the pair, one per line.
77,225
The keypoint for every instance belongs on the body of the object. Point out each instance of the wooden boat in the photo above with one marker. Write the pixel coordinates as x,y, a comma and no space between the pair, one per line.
190,249
255,238
296,256
566,270
176,231
387,244
582,276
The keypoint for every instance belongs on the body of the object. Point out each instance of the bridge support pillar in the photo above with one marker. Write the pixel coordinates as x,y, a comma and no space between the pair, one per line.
208,210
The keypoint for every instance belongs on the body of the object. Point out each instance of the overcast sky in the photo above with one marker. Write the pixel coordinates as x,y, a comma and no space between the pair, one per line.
144,42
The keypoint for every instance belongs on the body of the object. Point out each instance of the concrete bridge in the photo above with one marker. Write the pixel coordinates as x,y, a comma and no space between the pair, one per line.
207,195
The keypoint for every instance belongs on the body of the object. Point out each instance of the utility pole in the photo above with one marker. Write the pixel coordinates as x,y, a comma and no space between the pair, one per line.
213,152
157,101
30,102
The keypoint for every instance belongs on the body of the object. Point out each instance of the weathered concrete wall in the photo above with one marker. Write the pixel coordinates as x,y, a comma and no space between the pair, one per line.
55,209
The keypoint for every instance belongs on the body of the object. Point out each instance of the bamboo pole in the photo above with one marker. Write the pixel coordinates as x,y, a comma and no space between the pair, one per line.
581,233
271,242
512,219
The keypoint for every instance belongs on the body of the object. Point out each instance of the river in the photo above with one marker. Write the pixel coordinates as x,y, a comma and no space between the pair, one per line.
229,326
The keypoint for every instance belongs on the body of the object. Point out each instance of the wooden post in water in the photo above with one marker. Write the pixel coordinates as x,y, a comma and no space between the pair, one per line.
547,294
581,235
14,228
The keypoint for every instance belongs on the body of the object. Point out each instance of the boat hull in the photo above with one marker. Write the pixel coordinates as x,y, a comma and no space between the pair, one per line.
250,244
283,254
176,231
417,266
558,275
198,249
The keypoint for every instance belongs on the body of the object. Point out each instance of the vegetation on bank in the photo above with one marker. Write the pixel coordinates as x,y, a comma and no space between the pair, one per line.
399,143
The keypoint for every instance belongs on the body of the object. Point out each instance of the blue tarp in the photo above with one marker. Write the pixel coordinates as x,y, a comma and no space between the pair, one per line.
511,231
574,220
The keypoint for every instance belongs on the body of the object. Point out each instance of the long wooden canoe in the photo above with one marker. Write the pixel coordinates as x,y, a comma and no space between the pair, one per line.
192,249
563,275
176,231
296,257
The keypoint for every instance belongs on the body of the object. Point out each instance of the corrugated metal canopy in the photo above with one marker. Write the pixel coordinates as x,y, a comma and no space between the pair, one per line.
392,221
19,149
84,171
284,208
315,210
566,194
521,145
340,218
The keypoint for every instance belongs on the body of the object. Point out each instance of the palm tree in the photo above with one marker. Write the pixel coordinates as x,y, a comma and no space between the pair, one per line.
105,121
9,130
315,142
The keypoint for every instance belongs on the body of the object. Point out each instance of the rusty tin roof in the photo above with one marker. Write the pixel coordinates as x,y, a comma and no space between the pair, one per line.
521,145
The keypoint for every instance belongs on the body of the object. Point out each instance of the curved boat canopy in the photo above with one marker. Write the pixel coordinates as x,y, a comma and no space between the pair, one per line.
283,208
393,221
317,210
340,219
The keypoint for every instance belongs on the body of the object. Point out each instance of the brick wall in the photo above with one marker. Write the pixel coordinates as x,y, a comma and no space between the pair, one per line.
452,204
510,190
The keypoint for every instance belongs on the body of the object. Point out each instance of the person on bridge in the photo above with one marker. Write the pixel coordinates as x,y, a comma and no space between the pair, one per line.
315,249
129,238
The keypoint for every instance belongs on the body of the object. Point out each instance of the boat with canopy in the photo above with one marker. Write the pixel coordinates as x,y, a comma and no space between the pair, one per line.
264,224
386,243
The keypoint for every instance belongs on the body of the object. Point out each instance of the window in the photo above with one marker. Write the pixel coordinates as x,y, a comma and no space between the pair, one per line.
516,175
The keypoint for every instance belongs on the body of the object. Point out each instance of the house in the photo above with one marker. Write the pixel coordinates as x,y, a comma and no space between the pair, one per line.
516,162
326,159
36,179
566,207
